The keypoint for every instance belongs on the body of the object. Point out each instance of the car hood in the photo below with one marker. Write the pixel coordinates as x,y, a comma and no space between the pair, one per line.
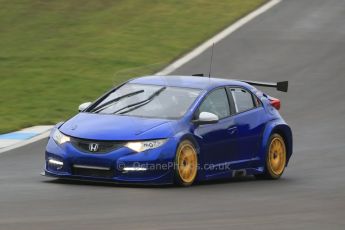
116,127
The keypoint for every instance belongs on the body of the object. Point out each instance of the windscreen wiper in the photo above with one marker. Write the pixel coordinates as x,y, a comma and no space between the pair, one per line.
111,102
140,103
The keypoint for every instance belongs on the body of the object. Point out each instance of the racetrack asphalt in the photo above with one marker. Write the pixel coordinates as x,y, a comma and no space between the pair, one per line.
302,41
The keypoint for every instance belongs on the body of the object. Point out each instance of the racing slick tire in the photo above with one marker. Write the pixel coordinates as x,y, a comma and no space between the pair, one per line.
186,164
275,160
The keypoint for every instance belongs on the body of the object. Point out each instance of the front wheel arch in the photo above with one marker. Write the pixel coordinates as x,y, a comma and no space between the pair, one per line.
189,136
185,163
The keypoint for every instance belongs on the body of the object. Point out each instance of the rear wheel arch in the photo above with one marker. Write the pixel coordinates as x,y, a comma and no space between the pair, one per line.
280,128
285,132
275,158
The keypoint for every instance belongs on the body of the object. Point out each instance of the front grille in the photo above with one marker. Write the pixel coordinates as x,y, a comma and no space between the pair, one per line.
93,172
102,146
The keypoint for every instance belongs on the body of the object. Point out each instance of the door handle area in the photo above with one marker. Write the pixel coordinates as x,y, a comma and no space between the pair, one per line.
232,130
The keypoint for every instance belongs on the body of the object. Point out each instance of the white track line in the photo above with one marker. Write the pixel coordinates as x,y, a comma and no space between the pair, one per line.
26,142
218,37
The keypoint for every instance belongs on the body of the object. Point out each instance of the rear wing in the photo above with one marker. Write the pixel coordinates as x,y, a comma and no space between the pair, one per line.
280,86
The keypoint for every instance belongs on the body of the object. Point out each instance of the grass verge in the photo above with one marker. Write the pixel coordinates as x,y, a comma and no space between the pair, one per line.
56,54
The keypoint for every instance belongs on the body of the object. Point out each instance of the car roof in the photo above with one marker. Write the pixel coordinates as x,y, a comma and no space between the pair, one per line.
196,82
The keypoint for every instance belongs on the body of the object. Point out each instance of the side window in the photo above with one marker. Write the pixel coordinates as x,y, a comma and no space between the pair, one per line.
216,102
243,99
257,101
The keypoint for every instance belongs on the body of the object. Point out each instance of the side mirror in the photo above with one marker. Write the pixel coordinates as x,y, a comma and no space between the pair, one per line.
206,118
83,106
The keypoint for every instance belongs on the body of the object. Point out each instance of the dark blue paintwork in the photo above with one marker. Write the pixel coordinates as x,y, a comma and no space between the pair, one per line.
238,141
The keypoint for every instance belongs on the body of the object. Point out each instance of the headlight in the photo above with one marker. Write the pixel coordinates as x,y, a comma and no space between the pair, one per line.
59,137
141,146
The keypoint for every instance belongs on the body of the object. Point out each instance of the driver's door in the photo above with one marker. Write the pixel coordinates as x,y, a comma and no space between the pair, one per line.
217,140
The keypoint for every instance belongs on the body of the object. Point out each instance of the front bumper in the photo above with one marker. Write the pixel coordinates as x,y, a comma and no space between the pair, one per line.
155,166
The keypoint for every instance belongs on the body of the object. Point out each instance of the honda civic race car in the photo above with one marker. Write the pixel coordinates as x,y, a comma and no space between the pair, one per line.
173,129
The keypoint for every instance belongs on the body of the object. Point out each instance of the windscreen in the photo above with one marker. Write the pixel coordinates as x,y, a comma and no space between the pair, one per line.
143,100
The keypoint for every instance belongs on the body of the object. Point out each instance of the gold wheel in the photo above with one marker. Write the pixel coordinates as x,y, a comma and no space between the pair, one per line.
277,156
187,162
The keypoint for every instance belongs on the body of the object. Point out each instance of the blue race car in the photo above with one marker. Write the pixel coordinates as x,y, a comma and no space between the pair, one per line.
173,129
